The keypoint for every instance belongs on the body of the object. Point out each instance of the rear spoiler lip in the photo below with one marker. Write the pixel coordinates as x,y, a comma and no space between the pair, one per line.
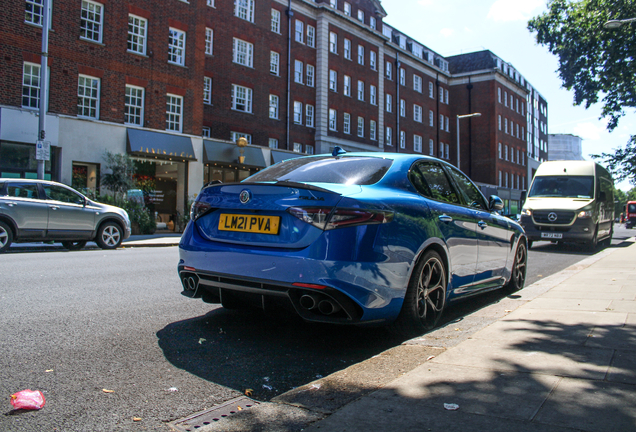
279,183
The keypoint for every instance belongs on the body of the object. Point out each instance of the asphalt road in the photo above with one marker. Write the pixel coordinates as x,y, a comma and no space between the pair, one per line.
77,323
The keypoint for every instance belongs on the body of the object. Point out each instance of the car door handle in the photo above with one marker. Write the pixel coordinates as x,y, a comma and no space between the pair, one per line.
482,224
445,218
11,204
54,207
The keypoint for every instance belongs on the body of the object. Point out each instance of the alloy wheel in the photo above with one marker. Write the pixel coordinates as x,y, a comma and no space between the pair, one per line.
519,267
431,292
111,235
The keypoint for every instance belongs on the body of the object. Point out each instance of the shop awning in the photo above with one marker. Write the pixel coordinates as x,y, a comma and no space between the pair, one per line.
279,156
216,151
156,144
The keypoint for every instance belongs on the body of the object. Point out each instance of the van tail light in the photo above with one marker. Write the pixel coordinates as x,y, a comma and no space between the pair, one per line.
327,218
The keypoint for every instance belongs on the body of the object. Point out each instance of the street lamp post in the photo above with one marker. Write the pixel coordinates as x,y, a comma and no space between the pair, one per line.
458,118
614,24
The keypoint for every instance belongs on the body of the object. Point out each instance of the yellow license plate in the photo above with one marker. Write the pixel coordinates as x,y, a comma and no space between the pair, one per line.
249,223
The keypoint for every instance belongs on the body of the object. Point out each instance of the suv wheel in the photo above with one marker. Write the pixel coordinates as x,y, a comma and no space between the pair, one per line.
6,237
109,236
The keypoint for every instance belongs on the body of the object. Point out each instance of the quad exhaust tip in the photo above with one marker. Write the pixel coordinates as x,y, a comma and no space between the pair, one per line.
318,303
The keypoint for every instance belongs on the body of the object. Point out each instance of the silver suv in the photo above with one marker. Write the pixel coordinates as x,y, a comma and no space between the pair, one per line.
39,210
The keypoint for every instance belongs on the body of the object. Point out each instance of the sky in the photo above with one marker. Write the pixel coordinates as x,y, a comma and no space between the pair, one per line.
451,27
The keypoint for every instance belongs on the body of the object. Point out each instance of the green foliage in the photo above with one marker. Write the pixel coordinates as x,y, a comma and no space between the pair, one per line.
622,164
120,179
137,212
593,61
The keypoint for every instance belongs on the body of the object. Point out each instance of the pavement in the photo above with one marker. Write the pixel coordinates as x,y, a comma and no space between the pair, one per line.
559,355
151,240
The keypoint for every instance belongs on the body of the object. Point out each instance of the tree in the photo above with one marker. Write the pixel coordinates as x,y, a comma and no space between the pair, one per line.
621,164
593,61
120,178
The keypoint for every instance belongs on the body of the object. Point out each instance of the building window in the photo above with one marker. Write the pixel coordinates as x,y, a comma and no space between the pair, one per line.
499,121
273,143
417,143
274,61
176,47
298,113
333,4
361,127
31,85
311,37
244,9
431,147
431,91
309,149
389,103
88,97
174,112
505,98
275,24
333,80
360,91
446,97
389,70
417,83
310,75
402,108
347,49
360,15
499,100
441,121
431,118
402,76
91,21
417,113
298,71
389,136
499,150
402,139
372,23
298,147
333,42
241,98
243,52
332,119
347,8
34,12
207,90
210,3
373,60
205,132
447,151
300,31
347,123
506,152
373,97
506,179
505,125
441,151
134,106
209,40
273,106
360,54
309,115
373,130
447,124
234,136
137,34
346,87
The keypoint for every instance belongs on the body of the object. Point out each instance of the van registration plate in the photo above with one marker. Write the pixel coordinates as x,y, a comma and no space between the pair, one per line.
548,235
249,223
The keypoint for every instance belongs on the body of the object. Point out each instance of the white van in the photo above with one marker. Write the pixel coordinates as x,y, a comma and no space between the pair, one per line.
570,201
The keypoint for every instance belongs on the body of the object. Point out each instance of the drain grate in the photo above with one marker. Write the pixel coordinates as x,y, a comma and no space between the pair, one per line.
214,414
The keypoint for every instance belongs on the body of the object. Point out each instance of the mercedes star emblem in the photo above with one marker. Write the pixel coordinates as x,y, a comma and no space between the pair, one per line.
552,217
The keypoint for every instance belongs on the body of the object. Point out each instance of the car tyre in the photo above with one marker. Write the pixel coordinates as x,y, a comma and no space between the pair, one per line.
109,236
6,237
519,267
73,245
425,297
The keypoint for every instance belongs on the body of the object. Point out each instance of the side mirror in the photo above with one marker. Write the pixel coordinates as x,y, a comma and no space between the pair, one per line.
495,203
524,195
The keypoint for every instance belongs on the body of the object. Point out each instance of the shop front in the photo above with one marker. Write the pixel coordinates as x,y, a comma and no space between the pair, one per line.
222,161
161,162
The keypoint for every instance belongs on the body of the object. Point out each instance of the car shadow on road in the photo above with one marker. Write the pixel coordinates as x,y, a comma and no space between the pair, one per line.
248,350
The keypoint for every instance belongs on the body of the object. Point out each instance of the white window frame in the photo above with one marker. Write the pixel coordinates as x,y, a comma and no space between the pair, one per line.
389,102
210,3
275,22
346,85
137,34
417,83
176,46
298,147
174,112
88,103
333,80
333,4
244,9
347,49
298,112
417,143
372,23
209,41
361,90
274,63
34,12
431,90
309,149
361,127
309,115
373,130
299,31
273,106
402,76
373,60
333,42
441,151
243,52
205,131
30,75
373,95
402,108
234,136
360,55
441,121
241,98
346,125
388,138
347,8
431,118
299,71
402,139
446,97
388,71
333,119
360,15
431,147
207,90
311,36
92,21
447,129
134,105
311,76
417,113
272,143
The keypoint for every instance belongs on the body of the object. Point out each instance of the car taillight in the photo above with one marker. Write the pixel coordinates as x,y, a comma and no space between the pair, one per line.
331,218
198,209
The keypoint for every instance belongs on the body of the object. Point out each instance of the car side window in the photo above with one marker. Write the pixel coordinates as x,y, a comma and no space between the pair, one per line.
57,193
23,190
472,195
431,180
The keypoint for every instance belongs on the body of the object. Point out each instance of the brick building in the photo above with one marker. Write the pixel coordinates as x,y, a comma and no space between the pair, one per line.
175,83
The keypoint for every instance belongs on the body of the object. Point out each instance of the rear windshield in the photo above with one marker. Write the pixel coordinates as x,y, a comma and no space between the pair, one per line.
352,170
563,187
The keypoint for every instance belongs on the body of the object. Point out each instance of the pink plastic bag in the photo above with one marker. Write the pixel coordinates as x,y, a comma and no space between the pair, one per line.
28,400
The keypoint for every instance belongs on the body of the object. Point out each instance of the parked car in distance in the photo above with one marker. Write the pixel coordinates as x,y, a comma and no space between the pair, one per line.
40,210
357,238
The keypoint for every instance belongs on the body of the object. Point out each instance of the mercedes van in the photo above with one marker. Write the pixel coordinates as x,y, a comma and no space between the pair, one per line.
570,201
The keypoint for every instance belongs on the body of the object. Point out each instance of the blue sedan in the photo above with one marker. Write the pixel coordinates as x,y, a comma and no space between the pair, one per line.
351,238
